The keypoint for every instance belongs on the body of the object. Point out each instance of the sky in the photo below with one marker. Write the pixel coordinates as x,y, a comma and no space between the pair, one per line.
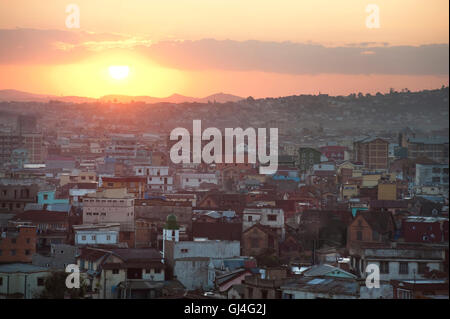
254,48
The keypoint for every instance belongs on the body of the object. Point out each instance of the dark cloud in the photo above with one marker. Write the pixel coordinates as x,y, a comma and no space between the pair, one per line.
53,46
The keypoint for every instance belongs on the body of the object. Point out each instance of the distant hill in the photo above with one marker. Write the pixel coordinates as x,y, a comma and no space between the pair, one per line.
20,96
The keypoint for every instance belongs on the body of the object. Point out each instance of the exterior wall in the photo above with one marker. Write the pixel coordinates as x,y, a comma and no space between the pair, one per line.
431,174
107,210
387,191
13,198
208,248
193,274
195,180
96,237
308,157
255,242
23,283
19,247
413,269
253,216
48,197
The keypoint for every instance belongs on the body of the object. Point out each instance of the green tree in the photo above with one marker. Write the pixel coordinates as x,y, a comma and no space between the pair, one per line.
55,287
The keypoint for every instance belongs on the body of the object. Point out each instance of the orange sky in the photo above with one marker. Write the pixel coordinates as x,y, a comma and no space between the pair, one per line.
116,32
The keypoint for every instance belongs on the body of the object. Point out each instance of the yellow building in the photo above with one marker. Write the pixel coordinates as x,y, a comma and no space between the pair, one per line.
387,191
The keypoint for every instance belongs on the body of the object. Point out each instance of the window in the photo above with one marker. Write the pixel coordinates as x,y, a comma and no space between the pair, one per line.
157,270
83,237
1,252
115,271
254,242
184,250
422,267
403,268
45,196
27,252
28,240
384,267
272,218
13,252
359,235
108,237
1,281
40,281
250,218
13,241
147,271
404,294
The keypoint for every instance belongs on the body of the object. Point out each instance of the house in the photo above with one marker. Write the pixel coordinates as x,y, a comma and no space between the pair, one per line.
399,261
22,281
195,180
372,227
258,240
420,289
216,200
189,260
266,284
135,185
434,148
52,226
96,234
425,229
107,272
18,245
60,256
321,288
272,217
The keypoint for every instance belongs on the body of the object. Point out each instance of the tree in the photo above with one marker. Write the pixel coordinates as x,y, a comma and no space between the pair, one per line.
55,287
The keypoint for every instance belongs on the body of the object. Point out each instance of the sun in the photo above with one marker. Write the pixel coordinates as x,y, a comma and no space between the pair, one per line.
119,72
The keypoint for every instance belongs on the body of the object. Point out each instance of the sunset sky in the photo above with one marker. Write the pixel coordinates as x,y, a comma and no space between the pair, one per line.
242,47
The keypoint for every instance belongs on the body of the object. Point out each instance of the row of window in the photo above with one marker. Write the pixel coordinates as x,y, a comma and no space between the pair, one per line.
13,252
93,237
403,268
14,240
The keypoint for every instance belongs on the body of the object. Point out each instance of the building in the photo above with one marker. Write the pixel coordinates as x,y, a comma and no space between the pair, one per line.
189,260
195,180
14,196
372,151
400,261
307,158
18,245
372,227
272,217
431,174
97,234
59,257
109,206
435,149
158,178
420,289
122,272
122,147
423,229
259,240
135,185
22,281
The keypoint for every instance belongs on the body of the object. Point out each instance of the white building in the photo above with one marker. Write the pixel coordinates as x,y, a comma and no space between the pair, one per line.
194,180
22,280
158,177
100,234
266,216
